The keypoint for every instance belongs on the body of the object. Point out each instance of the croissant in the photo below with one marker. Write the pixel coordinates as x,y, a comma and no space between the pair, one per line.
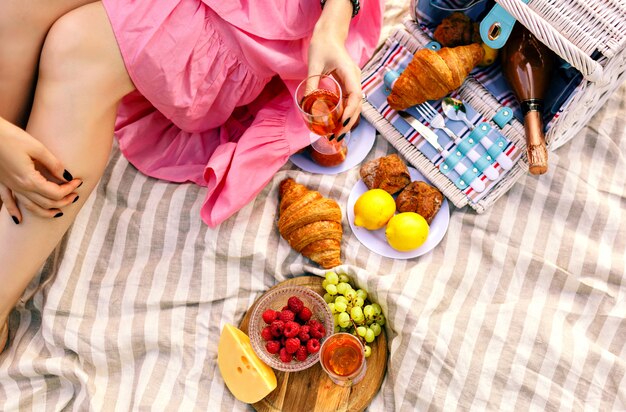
432,75
310,223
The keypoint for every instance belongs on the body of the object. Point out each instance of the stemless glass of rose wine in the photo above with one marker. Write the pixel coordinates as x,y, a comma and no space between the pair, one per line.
320,101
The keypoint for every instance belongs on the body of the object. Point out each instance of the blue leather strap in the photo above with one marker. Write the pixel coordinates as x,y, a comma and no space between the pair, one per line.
466,178
479,131
433,45
496,26
497,147
504,116
451,161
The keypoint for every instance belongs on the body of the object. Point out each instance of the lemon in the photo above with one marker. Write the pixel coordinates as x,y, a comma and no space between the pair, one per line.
406,231
489,57
373,209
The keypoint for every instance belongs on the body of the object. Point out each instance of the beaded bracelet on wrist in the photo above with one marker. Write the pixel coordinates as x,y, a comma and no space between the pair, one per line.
356,6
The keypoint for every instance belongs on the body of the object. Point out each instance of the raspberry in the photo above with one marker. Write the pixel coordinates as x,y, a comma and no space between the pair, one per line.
285,356
286,307
269,315
266,333
291,329
305,314
273,346
318,331
313,323
277,328
295,304
292,345
313,345
304,333
302,353
286,315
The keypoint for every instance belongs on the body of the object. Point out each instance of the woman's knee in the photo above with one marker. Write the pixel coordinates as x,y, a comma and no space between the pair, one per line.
81,48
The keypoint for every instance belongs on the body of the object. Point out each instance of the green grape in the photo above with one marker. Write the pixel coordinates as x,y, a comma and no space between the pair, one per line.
341,299
350,294
340,307
361,331
336,319
331,289
336,329
332,278
377,309
361,293
369,336
342,287
368,351
358,302
369,312
331,306
376,328
328,298
324,283
344,278
380,319
357,314
343,319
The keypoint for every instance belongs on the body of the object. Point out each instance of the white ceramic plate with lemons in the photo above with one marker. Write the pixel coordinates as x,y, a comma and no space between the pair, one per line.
361,142
376,241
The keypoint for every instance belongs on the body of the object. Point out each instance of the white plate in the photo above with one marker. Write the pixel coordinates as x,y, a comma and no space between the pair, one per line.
375,240
361,142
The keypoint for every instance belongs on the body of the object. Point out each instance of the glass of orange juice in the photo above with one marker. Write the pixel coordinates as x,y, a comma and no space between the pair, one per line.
320,102
342,356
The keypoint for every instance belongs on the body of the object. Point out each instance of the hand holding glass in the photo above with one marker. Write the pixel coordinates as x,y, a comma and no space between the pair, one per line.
320,102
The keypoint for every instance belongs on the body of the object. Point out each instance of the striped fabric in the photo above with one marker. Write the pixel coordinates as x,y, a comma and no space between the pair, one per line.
520,308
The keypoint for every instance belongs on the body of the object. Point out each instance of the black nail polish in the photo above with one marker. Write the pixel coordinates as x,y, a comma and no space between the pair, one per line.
59,214
81,183
75,199
67,175
17,222
346,122
332,136
340,138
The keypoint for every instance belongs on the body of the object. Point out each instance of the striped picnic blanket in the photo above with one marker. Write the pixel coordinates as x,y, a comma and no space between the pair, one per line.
520,308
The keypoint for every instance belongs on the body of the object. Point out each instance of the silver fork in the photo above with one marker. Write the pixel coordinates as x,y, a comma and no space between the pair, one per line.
437,121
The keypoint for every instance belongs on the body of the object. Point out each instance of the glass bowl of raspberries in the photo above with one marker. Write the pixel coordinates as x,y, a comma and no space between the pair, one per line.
287,327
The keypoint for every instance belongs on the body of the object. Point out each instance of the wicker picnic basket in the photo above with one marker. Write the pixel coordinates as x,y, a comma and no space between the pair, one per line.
588,35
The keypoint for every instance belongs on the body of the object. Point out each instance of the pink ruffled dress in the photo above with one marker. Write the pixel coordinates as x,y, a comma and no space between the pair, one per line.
215,81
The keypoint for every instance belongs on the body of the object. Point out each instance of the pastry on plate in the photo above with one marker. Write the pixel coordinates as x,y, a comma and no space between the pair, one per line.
421,198
388,173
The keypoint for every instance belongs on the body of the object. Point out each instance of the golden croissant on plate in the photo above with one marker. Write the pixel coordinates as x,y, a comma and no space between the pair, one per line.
310,223
432,75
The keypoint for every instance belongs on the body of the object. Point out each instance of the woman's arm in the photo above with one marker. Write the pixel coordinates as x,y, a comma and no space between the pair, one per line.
20,156
328,54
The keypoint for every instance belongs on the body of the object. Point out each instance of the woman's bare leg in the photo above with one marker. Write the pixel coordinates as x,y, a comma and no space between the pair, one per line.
81,80
23,28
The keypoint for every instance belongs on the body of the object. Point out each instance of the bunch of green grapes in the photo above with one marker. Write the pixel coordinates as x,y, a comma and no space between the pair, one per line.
349,310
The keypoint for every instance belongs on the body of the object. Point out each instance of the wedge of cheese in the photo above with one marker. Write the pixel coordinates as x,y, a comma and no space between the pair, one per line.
246,376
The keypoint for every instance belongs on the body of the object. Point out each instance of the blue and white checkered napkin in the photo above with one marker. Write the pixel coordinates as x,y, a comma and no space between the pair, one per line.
396,57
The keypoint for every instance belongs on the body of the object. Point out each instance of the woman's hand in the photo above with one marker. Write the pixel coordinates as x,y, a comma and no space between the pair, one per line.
328,55
23,160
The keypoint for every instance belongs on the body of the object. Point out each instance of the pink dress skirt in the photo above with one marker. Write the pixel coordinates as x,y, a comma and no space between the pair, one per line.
215,81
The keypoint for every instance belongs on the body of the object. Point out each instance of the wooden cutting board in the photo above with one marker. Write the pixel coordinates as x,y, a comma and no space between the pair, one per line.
311,389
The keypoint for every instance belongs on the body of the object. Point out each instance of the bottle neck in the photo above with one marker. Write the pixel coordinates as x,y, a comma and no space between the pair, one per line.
532,105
